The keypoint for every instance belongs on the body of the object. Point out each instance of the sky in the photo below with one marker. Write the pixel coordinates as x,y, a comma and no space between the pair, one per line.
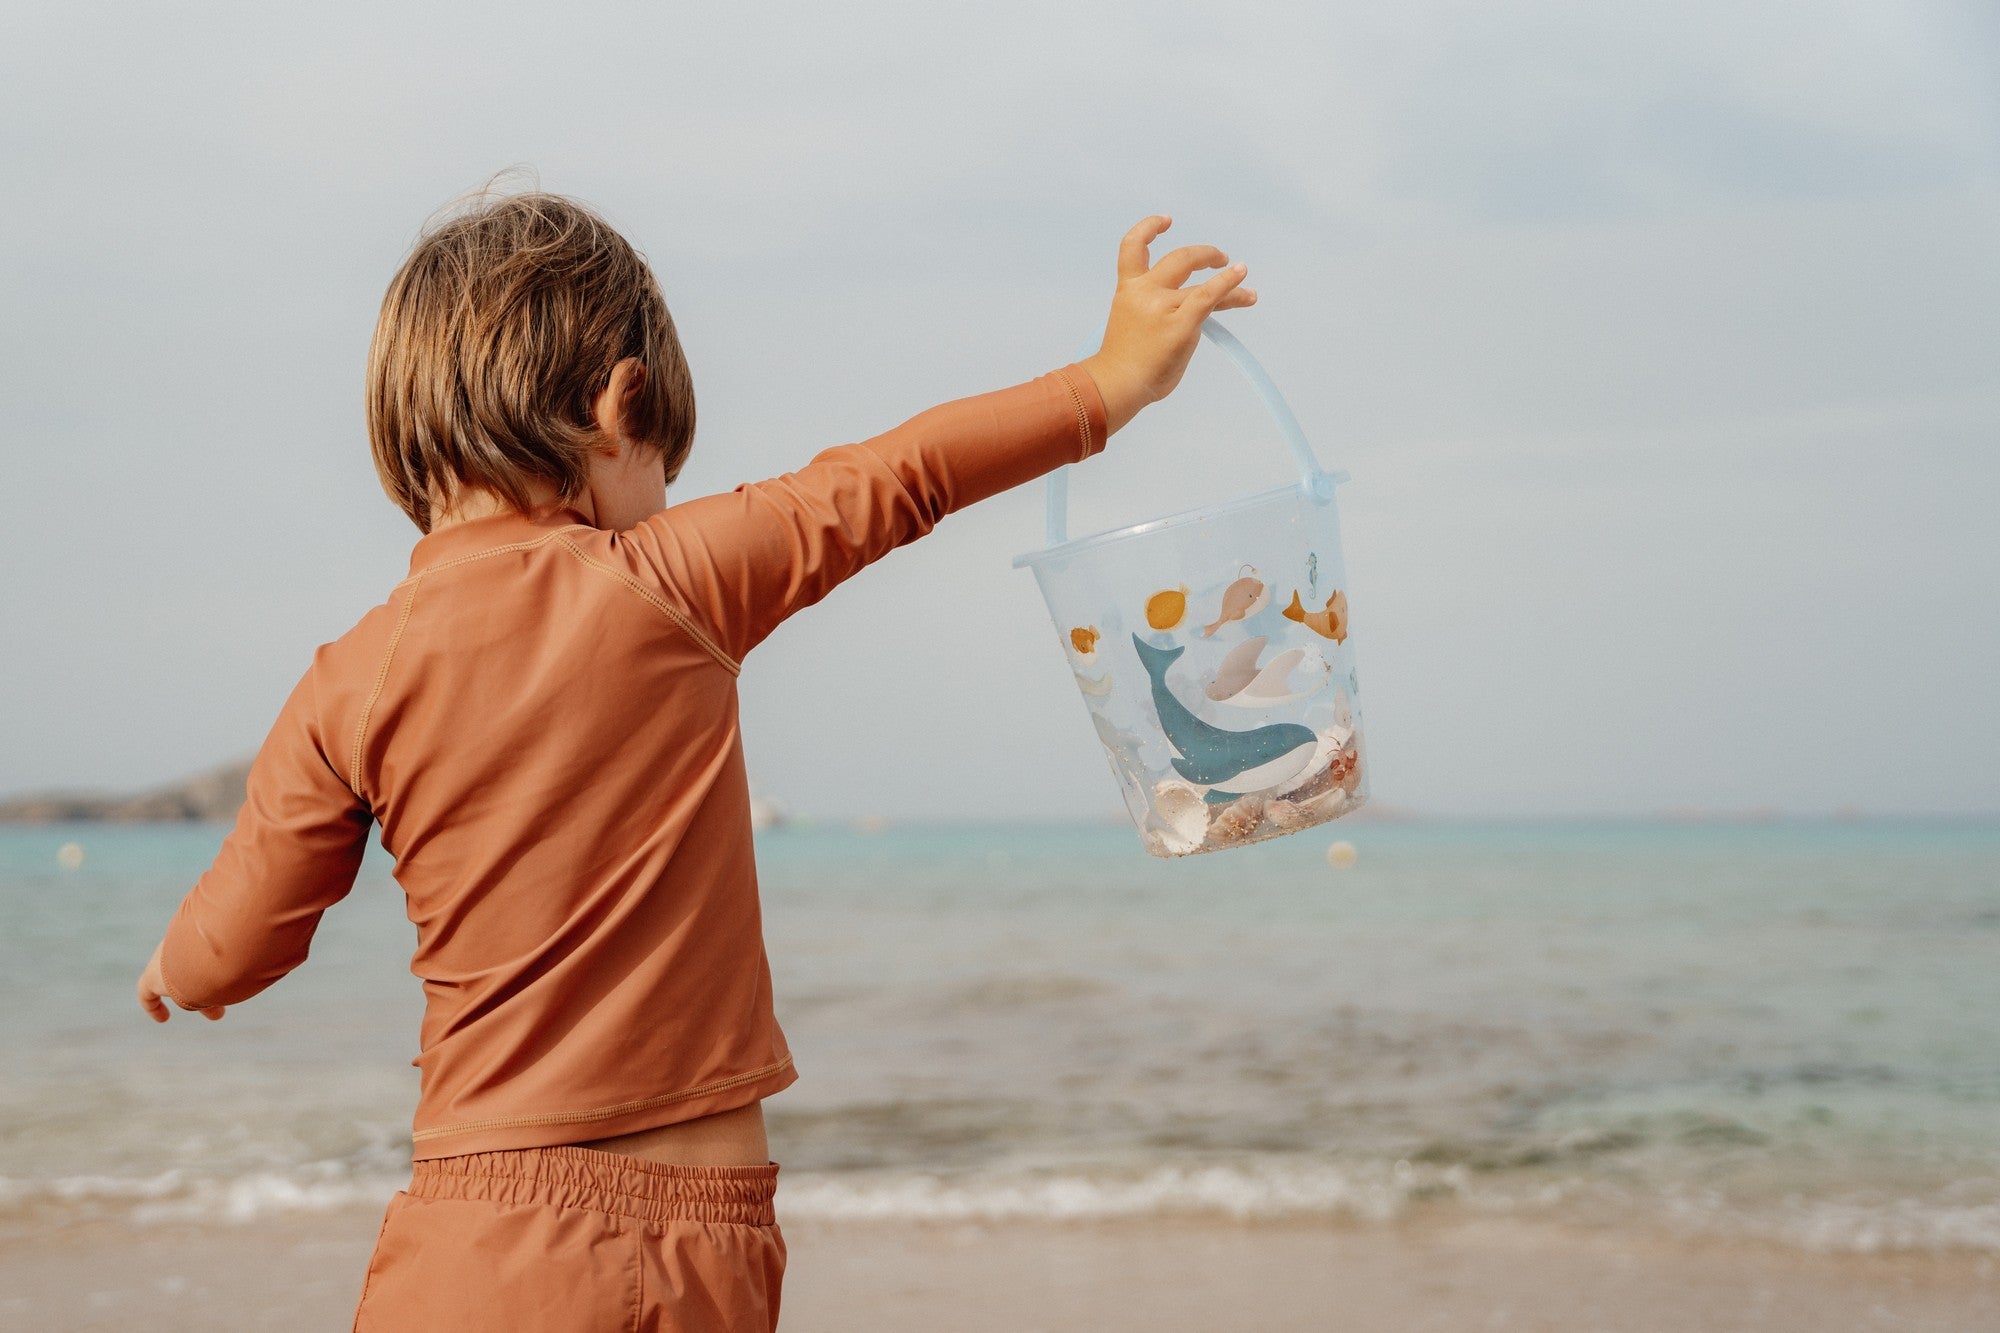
1659,341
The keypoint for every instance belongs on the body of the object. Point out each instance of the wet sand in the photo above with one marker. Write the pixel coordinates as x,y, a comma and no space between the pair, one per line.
303,1272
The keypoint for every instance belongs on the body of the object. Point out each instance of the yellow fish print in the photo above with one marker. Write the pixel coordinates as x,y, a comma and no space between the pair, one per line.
1164,610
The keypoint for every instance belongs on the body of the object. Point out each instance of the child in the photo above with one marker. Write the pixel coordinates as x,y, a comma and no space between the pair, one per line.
542,719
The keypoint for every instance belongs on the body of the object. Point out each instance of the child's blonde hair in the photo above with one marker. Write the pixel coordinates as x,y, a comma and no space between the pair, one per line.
495,338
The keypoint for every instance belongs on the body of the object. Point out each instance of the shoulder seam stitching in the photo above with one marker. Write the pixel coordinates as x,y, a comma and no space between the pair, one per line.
659,603
381,676
491,550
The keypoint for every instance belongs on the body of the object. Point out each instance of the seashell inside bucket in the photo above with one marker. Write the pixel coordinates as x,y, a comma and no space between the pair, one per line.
1294,815
1180,818
1235,822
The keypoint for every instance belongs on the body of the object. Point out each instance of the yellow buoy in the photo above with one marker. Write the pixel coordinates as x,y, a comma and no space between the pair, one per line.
70,855
1341,856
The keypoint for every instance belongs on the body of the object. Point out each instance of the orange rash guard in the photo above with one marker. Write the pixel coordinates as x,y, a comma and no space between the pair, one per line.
542,718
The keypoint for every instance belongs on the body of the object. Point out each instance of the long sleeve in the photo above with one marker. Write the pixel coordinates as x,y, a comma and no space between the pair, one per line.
294,852
746,559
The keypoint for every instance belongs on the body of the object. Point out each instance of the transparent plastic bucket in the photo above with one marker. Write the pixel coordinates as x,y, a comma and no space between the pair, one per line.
1211,649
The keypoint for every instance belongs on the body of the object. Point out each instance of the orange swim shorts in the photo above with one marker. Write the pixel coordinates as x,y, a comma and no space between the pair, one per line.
577,1240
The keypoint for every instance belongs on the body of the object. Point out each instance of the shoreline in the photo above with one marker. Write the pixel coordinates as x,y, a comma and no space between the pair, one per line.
304,1271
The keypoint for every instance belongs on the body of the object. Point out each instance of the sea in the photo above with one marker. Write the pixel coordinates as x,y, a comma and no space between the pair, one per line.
1785,1031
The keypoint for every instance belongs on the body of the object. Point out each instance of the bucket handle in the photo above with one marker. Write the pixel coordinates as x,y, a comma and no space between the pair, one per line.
1318,482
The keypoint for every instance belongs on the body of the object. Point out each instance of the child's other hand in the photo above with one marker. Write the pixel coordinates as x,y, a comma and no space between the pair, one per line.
153,991
1155,322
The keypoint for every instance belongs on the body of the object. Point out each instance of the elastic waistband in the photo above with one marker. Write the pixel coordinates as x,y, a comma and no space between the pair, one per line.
606,1182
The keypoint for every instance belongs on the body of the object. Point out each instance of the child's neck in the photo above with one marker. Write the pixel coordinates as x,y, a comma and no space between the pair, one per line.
473,502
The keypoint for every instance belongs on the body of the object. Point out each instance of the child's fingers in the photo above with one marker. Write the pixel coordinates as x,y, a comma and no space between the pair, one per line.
212,1014
152,1004
1132,260
1209,295
1237,299
1177,267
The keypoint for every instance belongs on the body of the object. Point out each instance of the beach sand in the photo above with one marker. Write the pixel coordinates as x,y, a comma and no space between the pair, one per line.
303,1272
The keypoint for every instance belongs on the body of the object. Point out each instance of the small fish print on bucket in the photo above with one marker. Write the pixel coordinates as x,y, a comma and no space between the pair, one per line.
1211,649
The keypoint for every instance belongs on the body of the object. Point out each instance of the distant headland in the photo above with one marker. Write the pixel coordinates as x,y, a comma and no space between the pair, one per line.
213,794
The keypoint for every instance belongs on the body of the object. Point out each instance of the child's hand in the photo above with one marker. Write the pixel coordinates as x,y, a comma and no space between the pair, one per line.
1155,322
153,991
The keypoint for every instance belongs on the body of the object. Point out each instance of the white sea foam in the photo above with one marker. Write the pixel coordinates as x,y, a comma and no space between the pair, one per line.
1244,1192
1273,1190
1846,1226
247,1198
177,1196
1282,1191
16,1194
1907,1224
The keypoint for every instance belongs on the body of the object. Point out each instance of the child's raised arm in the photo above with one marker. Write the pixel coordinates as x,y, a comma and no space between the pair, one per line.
747,559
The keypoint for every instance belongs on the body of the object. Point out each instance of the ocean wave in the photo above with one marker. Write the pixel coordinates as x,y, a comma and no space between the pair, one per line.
1242,1192
1837,1226
1274,1190
1366,1193
180,1196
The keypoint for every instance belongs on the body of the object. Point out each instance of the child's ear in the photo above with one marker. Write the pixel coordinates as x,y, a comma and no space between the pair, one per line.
633,371
613,409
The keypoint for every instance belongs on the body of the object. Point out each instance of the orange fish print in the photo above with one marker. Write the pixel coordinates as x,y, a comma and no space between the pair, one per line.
1330,623
1245,597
